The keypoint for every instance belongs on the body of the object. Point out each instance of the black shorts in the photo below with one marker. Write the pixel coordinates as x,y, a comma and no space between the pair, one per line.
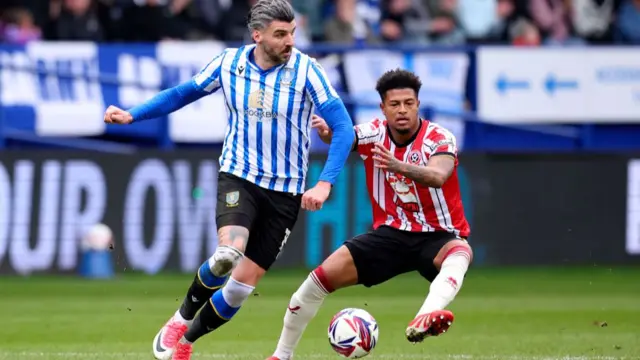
269,215
384,253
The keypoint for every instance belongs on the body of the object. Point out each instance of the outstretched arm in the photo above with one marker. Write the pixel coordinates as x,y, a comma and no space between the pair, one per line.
332,109
206,82
168,101
341,140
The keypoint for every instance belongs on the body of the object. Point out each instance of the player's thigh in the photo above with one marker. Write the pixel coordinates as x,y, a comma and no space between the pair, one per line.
435,247
277,215
340,269
236,210
380,255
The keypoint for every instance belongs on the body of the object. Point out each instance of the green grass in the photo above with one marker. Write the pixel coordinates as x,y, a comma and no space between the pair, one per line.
510,313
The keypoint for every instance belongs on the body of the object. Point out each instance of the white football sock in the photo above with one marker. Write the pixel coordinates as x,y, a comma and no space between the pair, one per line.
178,317
446,285
303,306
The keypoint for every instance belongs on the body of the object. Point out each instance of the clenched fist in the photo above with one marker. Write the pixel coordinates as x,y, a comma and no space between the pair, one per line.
115,115
314,198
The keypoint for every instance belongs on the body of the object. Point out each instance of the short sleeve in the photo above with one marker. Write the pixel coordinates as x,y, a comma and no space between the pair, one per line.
440,141
318,85
208,79
367,135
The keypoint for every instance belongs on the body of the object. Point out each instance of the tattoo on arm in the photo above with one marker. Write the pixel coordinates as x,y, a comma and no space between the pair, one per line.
431,176
233,235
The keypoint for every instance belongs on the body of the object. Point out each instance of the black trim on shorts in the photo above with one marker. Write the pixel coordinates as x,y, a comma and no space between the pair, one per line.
234,219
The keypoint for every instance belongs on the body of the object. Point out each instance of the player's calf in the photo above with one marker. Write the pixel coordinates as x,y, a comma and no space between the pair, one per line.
303,306
337,271
432,319
211,276
222,306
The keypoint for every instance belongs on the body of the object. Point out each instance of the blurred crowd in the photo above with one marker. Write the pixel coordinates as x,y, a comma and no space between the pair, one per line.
437,22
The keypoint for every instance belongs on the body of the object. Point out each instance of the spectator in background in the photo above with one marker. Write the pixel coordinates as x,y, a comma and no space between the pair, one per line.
552,19
18,26
146,20
421,22
484,21
592,20
628,27
310,15
524,33
75,20
346,26
445,27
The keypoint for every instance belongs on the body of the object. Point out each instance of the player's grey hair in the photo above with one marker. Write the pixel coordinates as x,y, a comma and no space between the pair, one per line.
266,11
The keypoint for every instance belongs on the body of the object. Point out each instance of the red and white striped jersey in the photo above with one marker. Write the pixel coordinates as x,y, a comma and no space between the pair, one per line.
401,203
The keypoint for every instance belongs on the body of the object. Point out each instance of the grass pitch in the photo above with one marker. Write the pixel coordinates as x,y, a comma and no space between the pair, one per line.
510,313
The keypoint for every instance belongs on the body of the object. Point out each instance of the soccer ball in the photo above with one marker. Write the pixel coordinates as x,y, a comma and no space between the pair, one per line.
353,333
98,237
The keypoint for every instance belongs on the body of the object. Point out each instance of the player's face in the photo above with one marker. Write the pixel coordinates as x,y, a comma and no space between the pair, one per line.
277,40
400,108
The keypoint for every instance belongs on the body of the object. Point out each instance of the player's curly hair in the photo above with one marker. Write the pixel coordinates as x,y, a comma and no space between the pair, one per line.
398,79
263,12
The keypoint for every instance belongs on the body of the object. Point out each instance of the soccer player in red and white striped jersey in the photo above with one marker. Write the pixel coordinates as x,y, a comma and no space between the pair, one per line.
418,216
405,193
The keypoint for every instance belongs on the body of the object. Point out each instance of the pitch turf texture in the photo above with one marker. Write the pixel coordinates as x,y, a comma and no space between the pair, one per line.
542,314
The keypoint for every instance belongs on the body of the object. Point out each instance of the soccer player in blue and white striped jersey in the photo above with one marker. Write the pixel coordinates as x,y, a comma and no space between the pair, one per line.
271,91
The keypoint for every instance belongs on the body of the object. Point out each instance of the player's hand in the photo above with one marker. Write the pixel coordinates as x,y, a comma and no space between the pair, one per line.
319,124
314,198
384,159
115,115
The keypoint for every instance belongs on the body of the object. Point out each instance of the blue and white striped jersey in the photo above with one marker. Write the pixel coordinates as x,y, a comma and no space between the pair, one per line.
267,136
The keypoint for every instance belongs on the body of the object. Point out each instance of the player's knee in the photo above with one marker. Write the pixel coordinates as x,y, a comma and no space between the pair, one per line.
225,259
235,292
321,278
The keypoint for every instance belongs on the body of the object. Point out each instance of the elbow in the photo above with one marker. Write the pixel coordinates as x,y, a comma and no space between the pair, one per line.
438,180
437,183
345,131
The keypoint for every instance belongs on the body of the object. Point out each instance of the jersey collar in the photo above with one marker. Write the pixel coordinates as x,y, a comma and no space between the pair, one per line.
249,54
413,137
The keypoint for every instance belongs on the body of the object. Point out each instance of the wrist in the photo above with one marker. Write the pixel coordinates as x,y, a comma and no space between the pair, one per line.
324,184
403,168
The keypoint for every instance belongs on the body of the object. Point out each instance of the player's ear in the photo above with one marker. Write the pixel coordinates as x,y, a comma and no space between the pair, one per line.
256,36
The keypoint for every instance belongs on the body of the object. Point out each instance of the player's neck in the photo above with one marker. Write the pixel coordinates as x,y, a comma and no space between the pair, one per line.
262,60
403,139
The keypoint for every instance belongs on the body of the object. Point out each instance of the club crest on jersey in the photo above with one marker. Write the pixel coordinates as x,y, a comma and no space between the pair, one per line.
415,157
286,77
232,198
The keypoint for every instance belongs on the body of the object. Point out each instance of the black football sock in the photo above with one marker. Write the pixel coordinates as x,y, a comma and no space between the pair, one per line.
207,320
204,285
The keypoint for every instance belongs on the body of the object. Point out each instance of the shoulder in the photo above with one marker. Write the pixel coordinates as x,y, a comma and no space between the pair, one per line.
436,132
370,131
436,136
231,52
306,60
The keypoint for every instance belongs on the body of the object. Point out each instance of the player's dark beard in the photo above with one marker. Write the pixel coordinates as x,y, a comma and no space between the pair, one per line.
274,57
403,131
